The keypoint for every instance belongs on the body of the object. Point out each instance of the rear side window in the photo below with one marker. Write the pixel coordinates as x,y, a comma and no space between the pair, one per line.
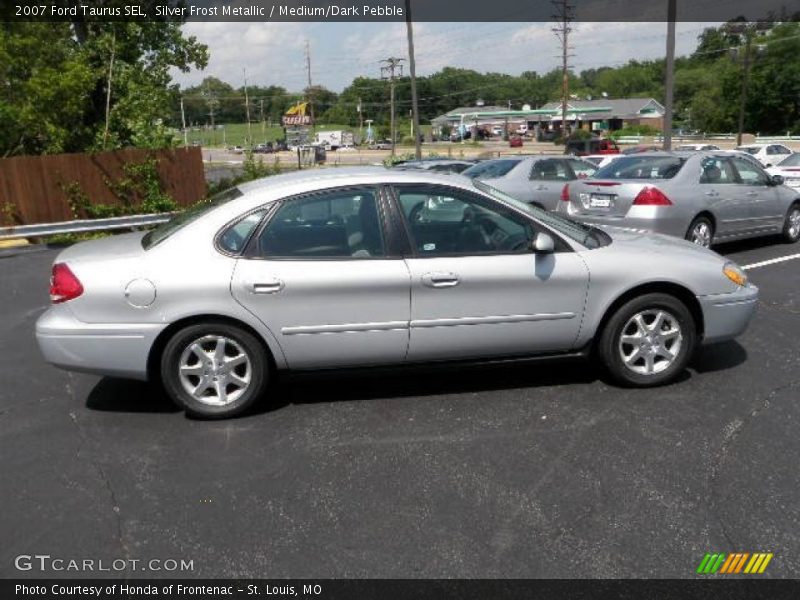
550,170
716,170
235,237
336,224
641,167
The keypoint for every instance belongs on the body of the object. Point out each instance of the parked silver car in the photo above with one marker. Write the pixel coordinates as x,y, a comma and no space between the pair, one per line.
353,267
538,180
704,197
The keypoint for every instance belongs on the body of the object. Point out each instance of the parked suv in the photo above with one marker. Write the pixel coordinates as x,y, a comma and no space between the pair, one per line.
591,146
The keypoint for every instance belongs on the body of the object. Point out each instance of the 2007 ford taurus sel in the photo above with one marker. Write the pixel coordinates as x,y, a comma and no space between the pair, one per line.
368,266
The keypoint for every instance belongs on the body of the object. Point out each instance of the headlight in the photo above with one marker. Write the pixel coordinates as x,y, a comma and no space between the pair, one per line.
733,272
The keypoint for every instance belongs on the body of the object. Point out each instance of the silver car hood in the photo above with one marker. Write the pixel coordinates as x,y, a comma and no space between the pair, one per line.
115,246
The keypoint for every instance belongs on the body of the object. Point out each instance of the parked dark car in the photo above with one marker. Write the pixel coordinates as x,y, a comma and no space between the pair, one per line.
593,145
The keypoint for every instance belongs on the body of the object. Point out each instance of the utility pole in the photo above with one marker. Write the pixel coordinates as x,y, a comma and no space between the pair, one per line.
563,17
211,100
261,118
360,121
183,123
669,80
413,72
748,31
310,92
247,111
390,72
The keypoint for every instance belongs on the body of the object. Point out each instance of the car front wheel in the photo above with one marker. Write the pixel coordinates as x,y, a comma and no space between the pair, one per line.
214,370
648,341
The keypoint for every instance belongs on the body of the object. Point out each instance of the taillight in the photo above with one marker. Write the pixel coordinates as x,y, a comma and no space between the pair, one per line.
650,196
63,284
565,193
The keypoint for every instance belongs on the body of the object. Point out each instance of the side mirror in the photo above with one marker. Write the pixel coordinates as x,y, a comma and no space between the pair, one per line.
777,180
543,244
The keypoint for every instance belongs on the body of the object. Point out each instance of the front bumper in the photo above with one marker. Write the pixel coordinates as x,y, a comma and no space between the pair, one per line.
726,316
114,349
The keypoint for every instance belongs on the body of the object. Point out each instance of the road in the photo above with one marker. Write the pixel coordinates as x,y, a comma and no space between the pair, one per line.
539,470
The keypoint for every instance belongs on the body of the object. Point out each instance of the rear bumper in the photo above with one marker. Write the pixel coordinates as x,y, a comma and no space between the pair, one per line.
726,316
119,350
656,219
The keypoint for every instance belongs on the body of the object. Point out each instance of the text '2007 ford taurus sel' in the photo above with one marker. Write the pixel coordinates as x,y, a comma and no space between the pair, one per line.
368,266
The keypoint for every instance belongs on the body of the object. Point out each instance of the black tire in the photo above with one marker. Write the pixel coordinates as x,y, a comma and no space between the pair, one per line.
693,233
791,228
236,397
611,348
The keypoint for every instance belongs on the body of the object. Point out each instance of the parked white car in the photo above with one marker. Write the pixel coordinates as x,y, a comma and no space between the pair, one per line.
697,147
789,169
768,155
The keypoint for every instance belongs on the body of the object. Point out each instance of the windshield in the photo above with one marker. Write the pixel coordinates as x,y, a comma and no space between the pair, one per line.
180,220
491,168
591,237
641,167
791,161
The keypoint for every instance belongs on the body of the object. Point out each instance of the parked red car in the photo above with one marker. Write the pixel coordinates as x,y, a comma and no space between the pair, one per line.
591,146
515,141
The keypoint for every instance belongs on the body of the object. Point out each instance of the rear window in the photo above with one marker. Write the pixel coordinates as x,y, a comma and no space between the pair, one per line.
491,168
180,220
791,161
641,167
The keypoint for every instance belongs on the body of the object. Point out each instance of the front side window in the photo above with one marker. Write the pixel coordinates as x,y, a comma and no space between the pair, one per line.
446,222
749,174
338,224
581,168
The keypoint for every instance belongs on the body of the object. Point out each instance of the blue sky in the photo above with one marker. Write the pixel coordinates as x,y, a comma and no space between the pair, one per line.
274,53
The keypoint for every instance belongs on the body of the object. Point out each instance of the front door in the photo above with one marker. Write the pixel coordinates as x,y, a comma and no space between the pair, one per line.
476,289
764,211
318,275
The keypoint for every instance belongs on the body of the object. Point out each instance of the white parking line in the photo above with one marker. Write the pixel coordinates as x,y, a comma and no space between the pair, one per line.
771,261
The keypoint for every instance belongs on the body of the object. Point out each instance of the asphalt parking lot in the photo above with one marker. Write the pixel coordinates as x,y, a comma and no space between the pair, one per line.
532,470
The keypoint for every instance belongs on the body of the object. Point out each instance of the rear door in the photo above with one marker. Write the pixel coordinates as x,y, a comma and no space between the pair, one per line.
476,289
721,195
322,275
548,177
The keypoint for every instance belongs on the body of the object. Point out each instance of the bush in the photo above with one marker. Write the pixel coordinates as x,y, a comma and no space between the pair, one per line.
647,130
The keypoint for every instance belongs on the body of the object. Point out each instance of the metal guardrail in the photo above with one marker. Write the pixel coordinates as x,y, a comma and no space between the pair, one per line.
82,226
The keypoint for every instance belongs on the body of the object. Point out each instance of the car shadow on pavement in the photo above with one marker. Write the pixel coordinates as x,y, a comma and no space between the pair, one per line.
718,357
127,395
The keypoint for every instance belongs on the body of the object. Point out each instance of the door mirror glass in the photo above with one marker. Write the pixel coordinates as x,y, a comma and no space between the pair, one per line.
777,180
543,244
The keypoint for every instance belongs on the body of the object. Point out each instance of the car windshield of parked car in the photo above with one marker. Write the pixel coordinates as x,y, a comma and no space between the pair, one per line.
641,167
591,237
792,160
162,232
491,168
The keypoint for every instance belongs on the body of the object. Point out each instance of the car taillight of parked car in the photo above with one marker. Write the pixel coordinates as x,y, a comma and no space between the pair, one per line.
565,193
650,196
63,284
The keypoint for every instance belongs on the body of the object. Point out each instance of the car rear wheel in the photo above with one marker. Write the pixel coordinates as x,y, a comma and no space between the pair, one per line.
701,232
648,340
214,370
791,227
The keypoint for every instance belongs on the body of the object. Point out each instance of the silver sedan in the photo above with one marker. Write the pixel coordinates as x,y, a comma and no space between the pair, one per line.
537,180
704,197
368,266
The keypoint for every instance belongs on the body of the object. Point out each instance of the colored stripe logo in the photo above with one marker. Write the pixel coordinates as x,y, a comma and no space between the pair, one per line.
735,563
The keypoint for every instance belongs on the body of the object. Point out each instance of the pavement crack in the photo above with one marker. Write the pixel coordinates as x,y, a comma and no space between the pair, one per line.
107,484
731,434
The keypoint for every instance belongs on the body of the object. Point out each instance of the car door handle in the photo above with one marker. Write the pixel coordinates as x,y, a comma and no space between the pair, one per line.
440,280
541,188
268,287
751,194
712,194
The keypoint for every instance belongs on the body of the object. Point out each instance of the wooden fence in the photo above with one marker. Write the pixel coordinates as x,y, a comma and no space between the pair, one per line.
32,188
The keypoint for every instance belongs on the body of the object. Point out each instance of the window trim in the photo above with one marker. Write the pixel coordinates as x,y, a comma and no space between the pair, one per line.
251,250
561,245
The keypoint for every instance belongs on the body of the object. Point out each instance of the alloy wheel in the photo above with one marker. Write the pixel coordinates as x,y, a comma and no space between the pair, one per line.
701,234
793,229
650,341
215,370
